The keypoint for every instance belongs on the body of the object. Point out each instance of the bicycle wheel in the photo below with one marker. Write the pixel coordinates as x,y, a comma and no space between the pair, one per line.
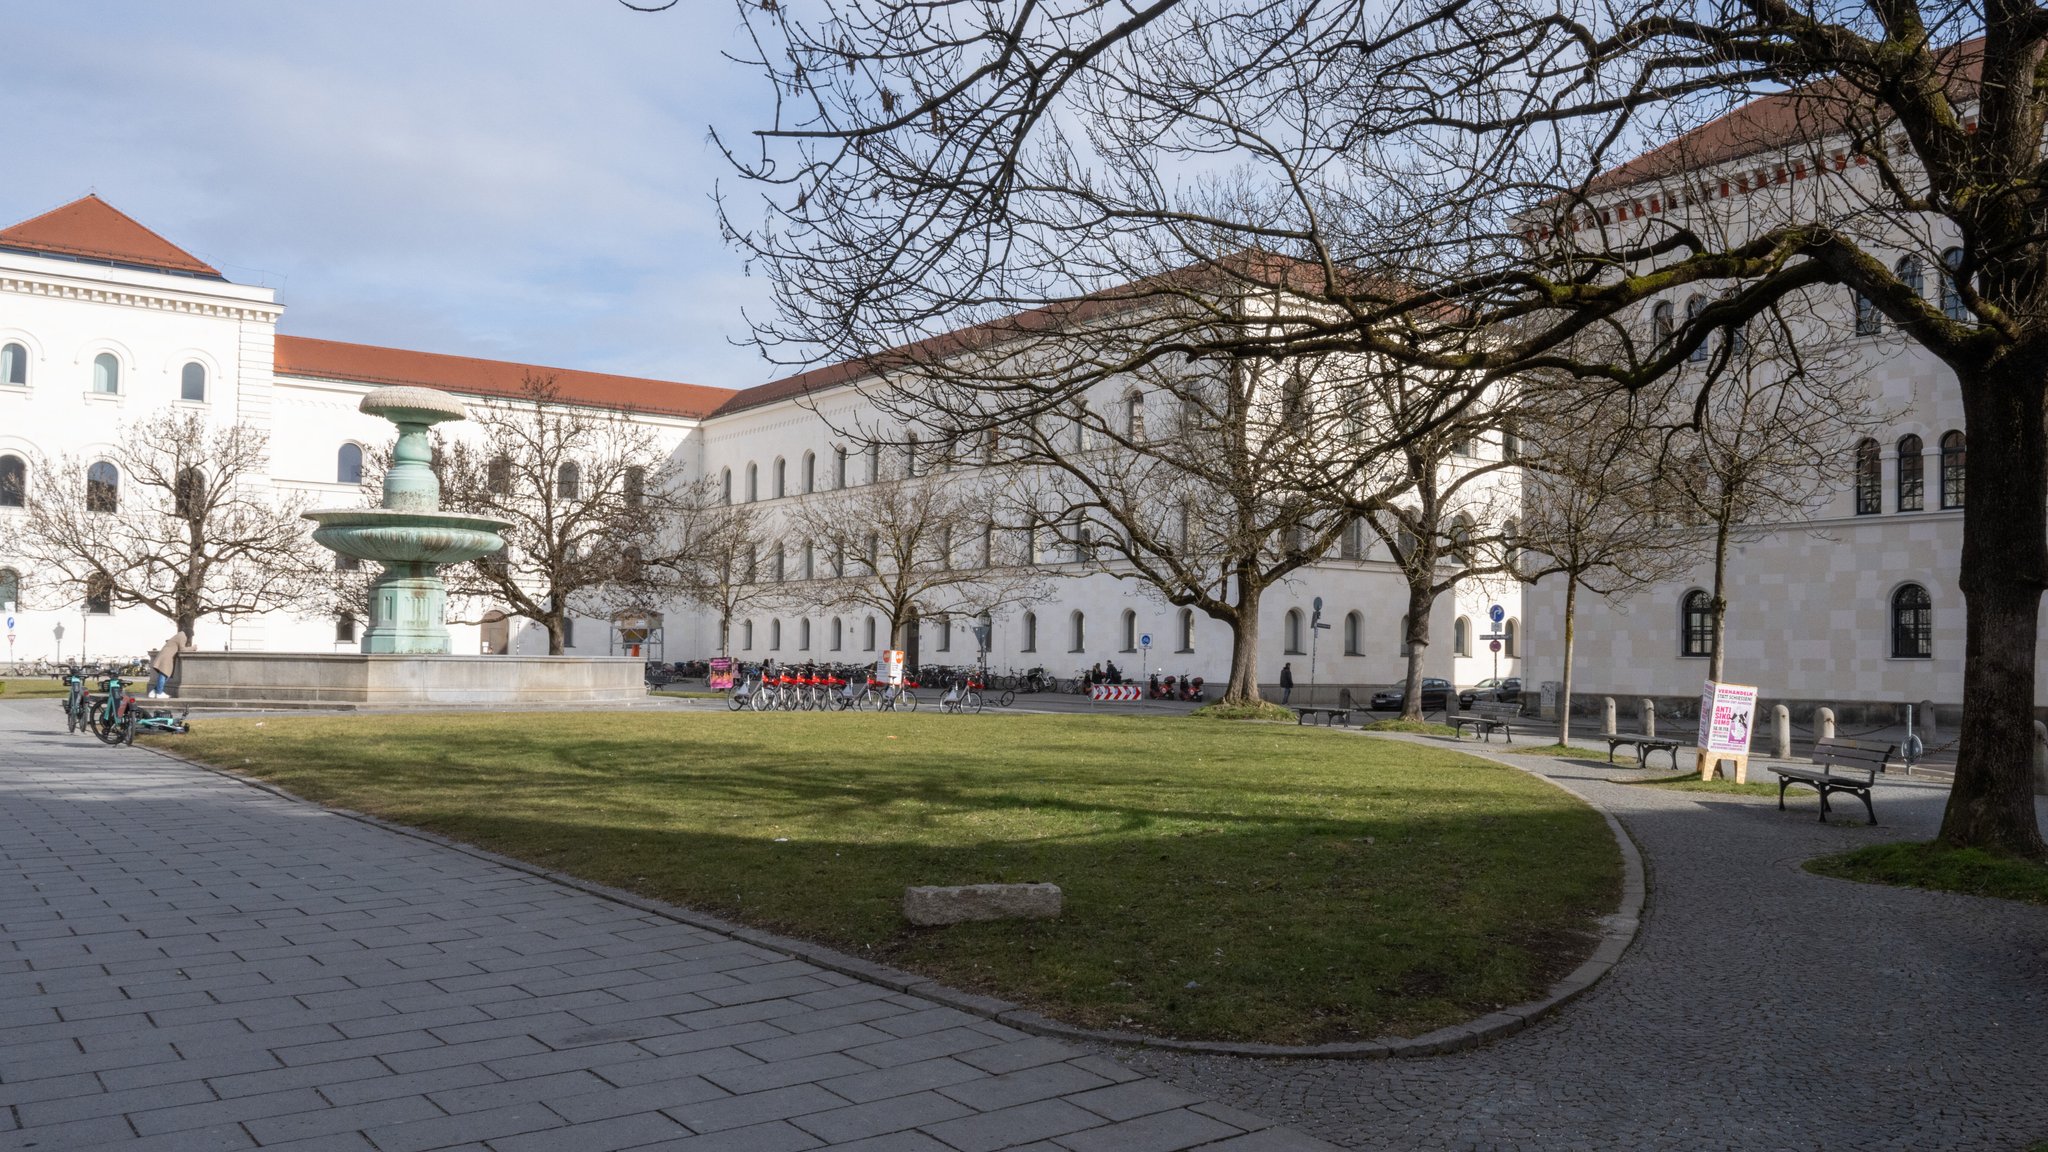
735,700
128,729
110,728
71,715
1007,698
760,701
972,702
910,699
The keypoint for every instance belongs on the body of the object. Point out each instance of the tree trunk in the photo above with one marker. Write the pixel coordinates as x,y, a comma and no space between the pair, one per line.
555,637
1420,599
1564,695
2004,563
1244,644
1718,605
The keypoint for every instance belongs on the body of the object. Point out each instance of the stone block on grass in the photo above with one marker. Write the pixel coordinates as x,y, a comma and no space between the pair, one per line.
927,906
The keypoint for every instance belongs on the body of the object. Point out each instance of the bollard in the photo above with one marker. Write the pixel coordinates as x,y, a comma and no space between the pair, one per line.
1607,716
1824,723
1925,715
2040,759
1647,708
1781,717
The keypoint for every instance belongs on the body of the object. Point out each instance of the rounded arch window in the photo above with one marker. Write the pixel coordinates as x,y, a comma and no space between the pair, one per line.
803,634
188,494
1696,624
1079,625
1694,305
810,475
345,628
1869,478
1952,469
868,635
1130,622
10,589
838,633
1663,323
192,381
1030,632
781,476
1354,634
568,480
13,482
1134,415
1908,272
1461,636
775,635
14,364
106,374
102,487
747,635
1510,635
348,464
725,485
1951,290
1187,630
498,476
1912,623
839,467
1912,474
1290,633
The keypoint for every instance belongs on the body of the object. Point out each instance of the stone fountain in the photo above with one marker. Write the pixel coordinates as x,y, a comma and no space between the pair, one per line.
405,660
407,532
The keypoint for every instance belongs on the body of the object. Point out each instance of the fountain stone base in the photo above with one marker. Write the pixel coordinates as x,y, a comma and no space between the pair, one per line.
364,680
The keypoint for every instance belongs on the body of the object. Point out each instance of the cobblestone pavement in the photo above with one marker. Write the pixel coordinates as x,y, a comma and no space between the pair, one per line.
189,963
1761,1007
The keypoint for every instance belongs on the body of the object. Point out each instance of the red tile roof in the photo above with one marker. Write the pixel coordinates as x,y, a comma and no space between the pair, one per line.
367,364
92,229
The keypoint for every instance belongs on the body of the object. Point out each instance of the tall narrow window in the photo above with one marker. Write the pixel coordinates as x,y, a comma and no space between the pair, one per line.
747,635
1351,546
99,595
1951,290
10,589
13,482
810,472
348,464
192,382
1869,321
345,628
780,568
838,633
102,487
1912,623
781,477
106,373
1134,416
803,634
839,467
14,365
1952,469
1354,639
636,486
874,462
753,482
942,628
498,476
1696,624
1030,632
869,635
568,480
1694,305
1509,633
1912,474
1461,636
1290,633
810,561
910,461
568,631
1663,323
1079,625
1130,622
775,635
1908,272
188,494
1869,478
725,485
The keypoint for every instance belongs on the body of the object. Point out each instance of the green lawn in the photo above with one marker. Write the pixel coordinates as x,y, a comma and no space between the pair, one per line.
31,688
1222,881
1971,871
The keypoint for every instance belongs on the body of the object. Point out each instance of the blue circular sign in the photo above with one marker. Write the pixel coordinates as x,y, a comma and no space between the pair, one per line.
1145,641
1497,613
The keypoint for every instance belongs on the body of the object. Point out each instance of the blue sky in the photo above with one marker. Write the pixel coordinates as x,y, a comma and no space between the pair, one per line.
519,179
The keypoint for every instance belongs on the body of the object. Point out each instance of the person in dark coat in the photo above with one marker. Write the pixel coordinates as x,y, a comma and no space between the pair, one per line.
1286,682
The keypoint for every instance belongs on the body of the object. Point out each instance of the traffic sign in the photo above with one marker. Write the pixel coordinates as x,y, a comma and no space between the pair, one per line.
1145,641
1496,613
1495,645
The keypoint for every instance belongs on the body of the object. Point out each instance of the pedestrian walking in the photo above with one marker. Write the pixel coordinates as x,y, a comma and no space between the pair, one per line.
1286,682
165,665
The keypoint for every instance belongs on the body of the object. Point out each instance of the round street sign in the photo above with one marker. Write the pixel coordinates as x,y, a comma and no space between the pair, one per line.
1496,613
1317,604
1145,641
1494,644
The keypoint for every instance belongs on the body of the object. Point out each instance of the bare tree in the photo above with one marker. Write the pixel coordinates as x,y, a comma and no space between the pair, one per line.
594,504
935,163
178,519
713,561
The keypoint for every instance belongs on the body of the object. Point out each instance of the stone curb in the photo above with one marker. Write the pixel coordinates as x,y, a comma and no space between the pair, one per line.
1618,931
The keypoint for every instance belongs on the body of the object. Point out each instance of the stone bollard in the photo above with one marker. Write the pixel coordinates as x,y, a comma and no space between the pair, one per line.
2040,759
1781,718
1923,717
1607,717
1824,723
1646,708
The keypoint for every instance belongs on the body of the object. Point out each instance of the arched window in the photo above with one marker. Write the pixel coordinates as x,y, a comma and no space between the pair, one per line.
498,476
1908,272
13,482
1290,632
99,595
14,365
1461,636
747,635
1694,305
1134,416
838,633
780,567
810,474
568,480
839,467
781,476
10,589
568,631
942,629
1353,544
1912,474
106,373
874,462
102,487
1869,478
1663,323
946,546
1510,633
725,485
869,635
188,494
803,634
1130,623
635,479
1912,623
1951,292
910,464
1510,543
348,464
1696,624
1952,469
1354,634
810,561
1030,632
1869,321
192,381
345,628
753,483
1187,630
1079,626
775,635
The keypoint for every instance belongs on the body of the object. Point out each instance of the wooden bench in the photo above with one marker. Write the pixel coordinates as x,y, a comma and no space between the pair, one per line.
1330,715
1488,718
1644,745
1838,766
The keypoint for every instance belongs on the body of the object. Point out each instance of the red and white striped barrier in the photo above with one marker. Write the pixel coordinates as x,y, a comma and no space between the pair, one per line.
1115,692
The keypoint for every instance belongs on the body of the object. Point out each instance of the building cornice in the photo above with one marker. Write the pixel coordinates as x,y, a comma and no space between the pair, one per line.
132,296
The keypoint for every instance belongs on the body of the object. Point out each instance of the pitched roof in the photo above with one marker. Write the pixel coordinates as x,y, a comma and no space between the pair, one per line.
367,364
1779,121
92,229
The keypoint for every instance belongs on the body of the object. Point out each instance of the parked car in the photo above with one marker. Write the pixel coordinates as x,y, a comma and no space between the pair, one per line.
1435,692
1506,689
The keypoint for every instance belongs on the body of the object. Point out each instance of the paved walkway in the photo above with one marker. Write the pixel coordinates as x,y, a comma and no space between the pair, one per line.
188,963
1925,1014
